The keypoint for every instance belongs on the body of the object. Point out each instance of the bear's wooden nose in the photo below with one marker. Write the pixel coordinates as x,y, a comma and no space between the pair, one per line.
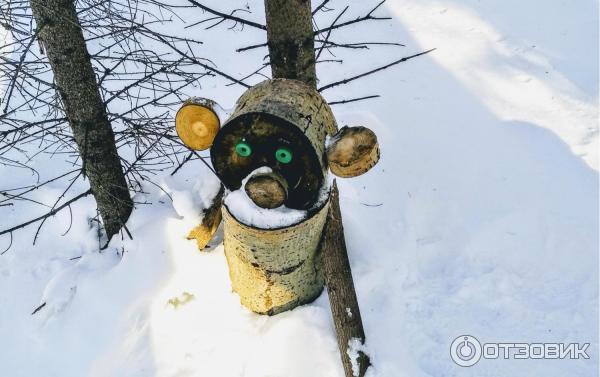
267,190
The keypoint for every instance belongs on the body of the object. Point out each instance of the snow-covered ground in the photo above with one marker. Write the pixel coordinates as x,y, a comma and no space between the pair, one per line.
481,217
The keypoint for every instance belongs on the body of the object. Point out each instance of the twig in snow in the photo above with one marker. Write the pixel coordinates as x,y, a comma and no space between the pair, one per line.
38,308
372,205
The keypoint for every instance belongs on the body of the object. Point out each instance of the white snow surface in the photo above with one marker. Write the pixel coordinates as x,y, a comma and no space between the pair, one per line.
481,217
355,346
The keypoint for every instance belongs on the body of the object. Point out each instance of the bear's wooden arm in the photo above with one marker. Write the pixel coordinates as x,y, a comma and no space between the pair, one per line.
211,218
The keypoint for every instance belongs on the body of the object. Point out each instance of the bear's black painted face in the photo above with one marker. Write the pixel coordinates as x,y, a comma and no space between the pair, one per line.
256,140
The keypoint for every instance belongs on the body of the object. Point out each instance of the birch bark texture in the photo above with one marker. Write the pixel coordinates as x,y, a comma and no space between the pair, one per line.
61,35
274,270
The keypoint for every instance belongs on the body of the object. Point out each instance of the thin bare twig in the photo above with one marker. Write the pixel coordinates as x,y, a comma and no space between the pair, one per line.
228,16
329,32
352,100
48,214
368,17
345,81
320,6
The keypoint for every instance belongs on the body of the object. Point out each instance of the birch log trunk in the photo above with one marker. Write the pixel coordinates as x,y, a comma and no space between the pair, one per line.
62,37
290,38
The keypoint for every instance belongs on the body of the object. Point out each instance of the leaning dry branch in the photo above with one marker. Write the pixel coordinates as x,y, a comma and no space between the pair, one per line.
340,288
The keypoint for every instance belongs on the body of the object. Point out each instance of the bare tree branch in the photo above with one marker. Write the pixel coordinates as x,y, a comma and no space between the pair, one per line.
225,16
345,81
329,32
368,17
48,214
320,6
352,100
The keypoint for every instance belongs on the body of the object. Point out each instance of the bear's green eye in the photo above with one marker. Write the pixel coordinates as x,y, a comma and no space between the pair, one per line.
243,149
283,155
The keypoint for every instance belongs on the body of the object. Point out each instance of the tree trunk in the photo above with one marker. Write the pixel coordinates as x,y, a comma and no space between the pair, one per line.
290,38
62,37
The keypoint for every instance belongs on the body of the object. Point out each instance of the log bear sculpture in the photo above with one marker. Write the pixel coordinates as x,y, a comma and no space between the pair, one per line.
283,125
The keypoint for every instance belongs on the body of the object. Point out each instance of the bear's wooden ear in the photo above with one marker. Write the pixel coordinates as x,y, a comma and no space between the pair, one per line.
352,151
197,123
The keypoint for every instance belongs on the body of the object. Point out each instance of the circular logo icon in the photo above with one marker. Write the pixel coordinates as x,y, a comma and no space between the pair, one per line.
465,350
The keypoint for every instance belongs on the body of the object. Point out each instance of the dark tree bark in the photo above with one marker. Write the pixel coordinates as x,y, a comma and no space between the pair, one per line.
61,35
290,38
